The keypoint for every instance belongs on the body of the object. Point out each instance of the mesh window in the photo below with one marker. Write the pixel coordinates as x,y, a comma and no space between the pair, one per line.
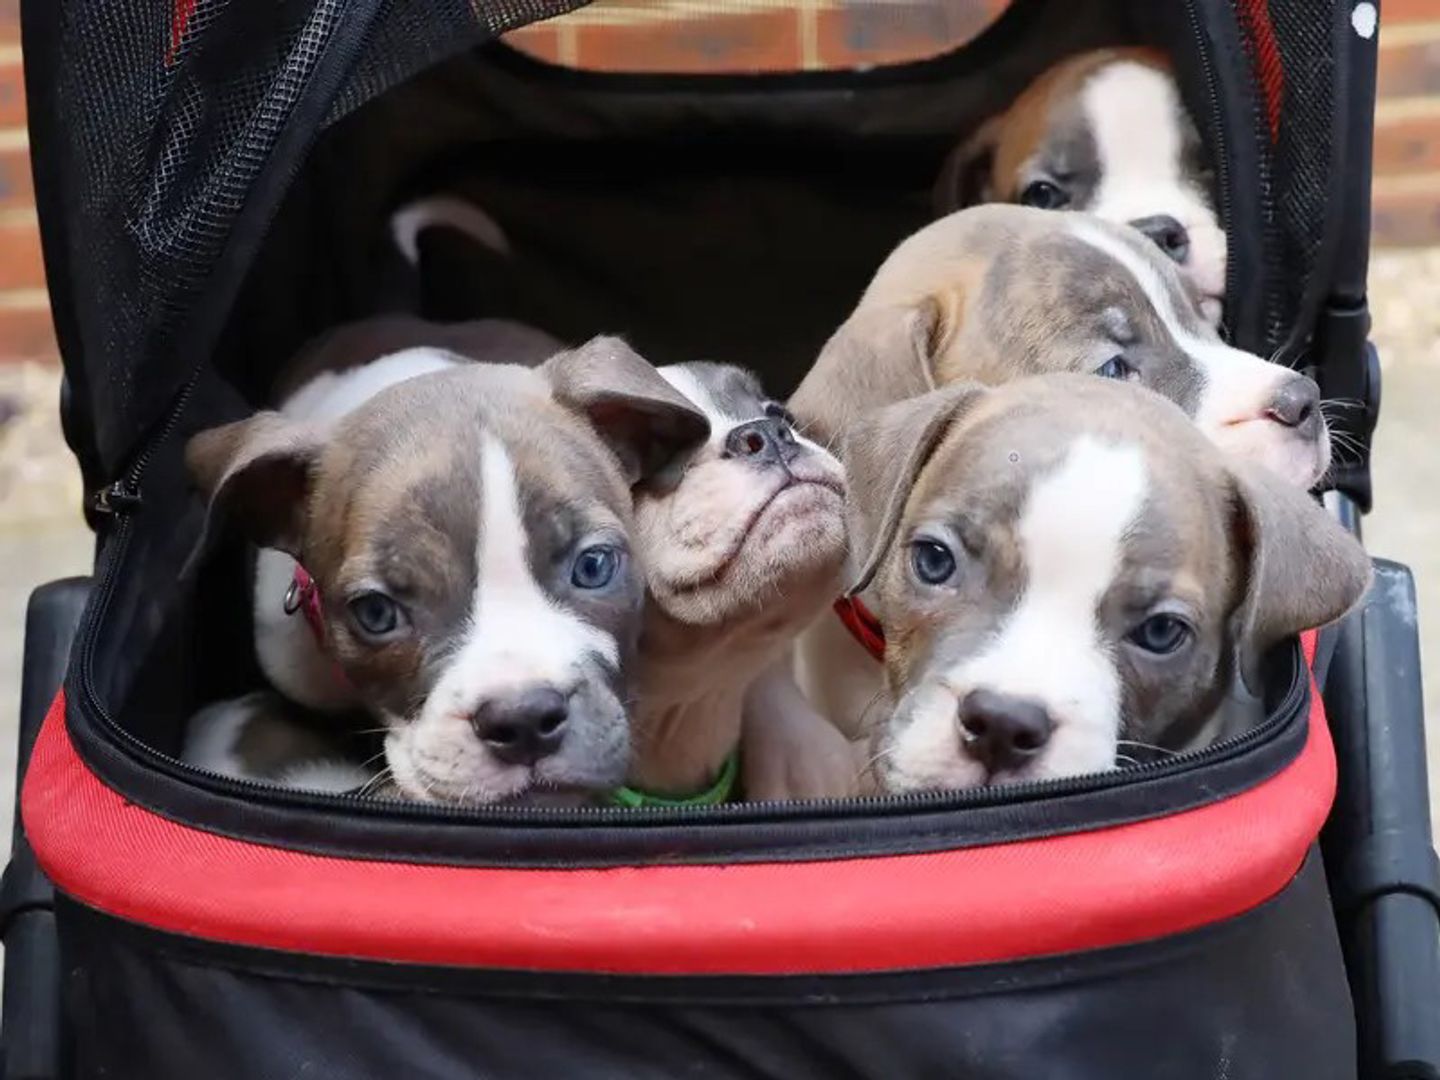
747,37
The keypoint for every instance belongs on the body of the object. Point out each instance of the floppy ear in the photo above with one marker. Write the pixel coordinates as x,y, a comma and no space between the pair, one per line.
1303,569
884,454
639,415
878,356
259,471
967,177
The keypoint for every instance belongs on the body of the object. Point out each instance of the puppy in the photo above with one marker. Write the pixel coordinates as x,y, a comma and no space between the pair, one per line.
448,547
1064,568
743,542
996,293
1104,132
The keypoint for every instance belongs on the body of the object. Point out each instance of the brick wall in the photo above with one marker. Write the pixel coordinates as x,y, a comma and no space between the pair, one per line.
777,34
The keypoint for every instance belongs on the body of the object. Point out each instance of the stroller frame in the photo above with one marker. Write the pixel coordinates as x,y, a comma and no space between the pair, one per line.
1383,871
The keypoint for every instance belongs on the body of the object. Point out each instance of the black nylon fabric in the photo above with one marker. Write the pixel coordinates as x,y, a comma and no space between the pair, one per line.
164,133
1261,997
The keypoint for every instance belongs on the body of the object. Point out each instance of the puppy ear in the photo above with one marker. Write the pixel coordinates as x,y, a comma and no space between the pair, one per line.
259,471
878,356
1303,569
884,454
641,417
967,177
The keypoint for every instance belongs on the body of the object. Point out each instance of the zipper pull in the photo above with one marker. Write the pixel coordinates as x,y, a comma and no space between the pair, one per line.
117,499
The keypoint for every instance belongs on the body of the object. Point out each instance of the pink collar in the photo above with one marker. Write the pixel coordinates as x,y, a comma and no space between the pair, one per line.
304,596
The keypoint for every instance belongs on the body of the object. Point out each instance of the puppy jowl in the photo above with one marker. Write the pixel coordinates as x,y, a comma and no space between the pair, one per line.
1069,578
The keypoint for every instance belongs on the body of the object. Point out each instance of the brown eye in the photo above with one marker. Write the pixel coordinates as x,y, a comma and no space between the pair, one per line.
1043,195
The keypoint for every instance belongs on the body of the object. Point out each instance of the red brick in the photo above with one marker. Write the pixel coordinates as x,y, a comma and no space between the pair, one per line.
21,266
865,35
17,187
1406,218
723,43
1411,69
1408,145
12,95
539,40
27,333
1398,11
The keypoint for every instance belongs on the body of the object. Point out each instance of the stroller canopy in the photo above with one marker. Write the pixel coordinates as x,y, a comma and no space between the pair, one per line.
166,136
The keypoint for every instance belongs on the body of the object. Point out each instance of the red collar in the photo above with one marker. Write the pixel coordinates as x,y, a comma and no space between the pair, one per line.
864,627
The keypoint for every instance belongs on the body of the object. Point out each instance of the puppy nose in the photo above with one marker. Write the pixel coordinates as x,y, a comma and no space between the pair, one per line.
1296,405
1001,731
524,727
1167,234
762,441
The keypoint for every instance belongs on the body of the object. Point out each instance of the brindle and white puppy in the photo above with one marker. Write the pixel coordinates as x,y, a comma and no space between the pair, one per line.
1063,564
1103,132
468,528
996,293
742,541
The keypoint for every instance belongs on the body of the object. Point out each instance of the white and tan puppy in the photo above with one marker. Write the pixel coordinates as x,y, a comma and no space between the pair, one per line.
1103,132
466,536
997,293
1064,565
742,541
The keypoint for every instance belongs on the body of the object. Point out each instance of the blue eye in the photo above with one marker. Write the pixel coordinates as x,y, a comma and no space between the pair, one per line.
595,567
375,614
932,561
1161,634
1115,368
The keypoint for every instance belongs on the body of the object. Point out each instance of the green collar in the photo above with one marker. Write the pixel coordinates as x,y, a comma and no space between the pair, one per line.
717,793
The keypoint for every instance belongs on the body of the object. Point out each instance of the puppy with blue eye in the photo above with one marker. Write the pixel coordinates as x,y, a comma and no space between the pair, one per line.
1061,566
445,548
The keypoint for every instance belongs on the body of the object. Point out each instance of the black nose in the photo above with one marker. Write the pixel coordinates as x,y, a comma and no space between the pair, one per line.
764,442
1167,234
1296,405
1001,731
523,727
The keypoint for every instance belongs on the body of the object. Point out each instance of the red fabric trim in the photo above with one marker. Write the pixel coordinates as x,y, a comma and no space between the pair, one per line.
179,22
307,600
1002,902
1265,57
864,627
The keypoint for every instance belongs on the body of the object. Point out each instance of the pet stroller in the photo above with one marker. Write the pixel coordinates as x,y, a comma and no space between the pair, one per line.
211,177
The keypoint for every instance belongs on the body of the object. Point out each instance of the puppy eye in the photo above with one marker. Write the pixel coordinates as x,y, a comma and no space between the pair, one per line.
932,561
1044,195
376,615
1115,368
1161,634
595,567
776,411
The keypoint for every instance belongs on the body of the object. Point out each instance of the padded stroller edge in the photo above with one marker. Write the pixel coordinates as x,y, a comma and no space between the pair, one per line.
31,1049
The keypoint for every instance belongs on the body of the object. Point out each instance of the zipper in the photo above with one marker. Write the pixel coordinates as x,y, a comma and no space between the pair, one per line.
817,809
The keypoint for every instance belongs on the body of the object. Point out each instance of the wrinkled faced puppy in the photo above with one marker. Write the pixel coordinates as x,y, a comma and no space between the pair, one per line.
1064,565
742,541
1103,132
994,293
465,538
